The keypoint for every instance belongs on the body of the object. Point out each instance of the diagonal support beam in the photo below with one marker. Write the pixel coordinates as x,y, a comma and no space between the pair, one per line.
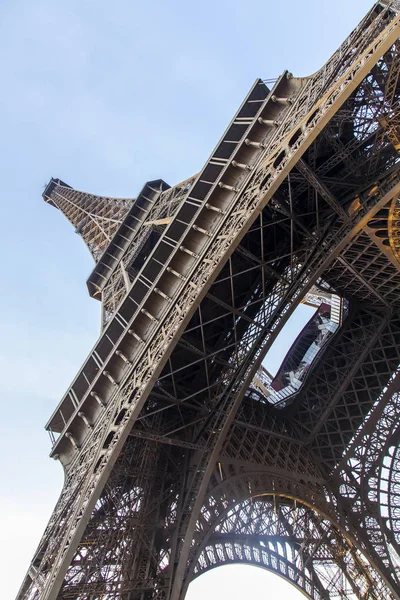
321,188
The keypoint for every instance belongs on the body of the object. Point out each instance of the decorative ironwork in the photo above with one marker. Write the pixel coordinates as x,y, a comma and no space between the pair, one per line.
95,219
176,459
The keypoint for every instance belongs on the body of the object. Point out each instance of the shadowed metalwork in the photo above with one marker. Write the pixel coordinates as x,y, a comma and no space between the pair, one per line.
181,452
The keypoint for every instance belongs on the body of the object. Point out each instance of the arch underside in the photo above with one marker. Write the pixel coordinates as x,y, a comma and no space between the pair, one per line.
332,568
339,540
292,540
294,525
366,326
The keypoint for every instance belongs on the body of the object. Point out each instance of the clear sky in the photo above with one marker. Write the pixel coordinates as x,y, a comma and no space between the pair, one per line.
106,96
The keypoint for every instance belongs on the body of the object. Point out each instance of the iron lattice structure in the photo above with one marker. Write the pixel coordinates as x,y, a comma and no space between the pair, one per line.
181,453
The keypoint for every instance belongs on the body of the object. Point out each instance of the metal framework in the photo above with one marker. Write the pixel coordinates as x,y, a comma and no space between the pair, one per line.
180,451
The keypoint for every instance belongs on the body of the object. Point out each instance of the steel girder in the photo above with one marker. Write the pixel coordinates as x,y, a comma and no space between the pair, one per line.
256,517
158,422
95,218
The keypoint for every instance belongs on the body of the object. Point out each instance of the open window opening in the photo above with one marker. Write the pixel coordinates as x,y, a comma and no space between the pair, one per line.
288,362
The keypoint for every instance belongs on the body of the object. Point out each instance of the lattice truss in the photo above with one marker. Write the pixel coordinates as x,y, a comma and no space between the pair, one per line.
175,463
95,218
160,213
294,541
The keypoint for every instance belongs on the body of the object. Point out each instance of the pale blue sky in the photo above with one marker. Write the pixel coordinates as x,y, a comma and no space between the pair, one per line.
106,96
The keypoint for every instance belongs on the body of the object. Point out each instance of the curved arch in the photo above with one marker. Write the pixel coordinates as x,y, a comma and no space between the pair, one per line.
240,487
369,473
394,228
385,227
295,577
288,527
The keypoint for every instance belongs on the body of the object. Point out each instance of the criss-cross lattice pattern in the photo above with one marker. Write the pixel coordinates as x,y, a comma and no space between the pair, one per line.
174,461
95,218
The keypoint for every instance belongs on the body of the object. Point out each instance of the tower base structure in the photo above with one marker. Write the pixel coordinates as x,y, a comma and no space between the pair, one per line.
181,452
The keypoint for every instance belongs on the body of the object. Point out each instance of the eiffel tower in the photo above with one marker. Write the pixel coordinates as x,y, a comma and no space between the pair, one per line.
180,451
